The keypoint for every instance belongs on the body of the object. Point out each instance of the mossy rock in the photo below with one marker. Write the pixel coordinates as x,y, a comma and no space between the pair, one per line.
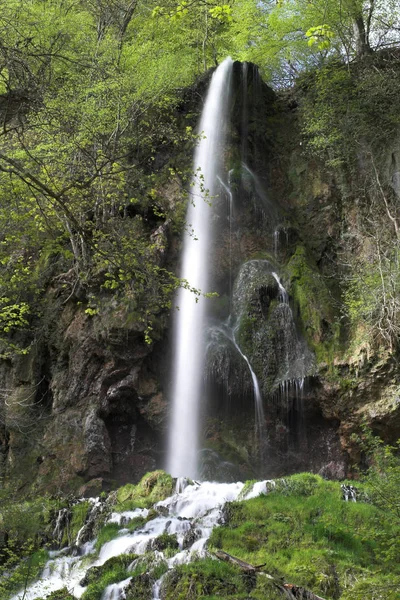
95,573
165,541
140,587
152,488
313,301
146,571
107,533
113,571
79,515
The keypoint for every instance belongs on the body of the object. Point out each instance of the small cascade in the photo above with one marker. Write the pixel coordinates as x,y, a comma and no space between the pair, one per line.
279,233
86,531
190,515
228,190
251,180
63,520
349,493
115,591
258,401
189,345
283,295
290,393
226,332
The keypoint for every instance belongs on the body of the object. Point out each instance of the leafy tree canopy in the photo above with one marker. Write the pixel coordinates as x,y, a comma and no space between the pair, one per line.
88,98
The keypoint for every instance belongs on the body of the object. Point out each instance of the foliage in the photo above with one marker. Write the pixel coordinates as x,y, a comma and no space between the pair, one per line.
349,116
74,159
24,526
382,478
30,565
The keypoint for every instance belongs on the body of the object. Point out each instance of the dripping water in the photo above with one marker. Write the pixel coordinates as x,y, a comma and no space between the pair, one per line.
258,402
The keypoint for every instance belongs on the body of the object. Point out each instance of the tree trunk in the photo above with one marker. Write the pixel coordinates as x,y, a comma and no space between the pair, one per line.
362,43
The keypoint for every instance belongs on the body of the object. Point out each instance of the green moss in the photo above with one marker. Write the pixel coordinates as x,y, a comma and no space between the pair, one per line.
303,484
247,488
152,488
313,300
112,564
107,533
113,572
138,522
79,515
247,328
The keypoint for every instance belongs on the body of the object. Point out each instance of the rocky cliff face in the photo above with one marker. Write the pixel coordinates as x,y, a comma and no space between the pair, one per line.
87,407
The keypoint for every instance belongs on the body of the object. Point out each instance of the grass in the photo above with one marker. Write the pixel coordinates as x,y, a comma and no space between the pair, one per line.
203,578
107,533
308,535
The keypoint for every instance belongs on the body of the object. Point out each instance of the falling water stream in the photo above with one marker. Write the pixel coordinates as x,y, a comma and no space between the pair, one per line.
189,344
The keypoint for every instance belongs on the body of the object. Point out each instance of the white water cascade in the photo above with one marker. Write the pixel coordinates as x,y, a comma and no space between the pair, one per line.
190,515
189,345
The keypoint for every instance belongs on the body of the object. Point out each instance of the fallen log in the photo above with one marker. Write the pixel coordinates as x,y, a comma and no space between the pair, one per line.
288,590
237,561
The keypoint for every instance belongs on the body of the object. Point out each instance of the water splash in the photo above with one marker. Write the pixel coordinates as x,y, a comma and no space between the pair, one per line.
189,347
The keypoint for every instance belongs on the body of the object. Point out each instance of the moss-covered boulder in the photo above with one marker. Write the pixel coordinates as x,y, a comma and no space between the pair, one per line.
163,542
265,328
152,488
114,564
147,570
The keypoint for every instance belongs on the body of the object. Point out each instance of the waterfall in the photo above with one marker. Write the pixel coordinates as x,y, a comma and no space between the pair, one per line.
258,401
189,344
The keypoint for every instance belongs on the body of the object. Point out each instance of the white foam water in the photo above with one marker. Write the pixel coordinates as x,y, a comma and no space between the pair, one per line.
197,508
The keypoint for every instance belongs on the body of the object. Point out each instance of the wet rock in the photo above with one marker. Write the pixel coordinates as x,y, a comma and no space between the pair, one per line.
97,446
333,470
92,488
191,537
163,542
